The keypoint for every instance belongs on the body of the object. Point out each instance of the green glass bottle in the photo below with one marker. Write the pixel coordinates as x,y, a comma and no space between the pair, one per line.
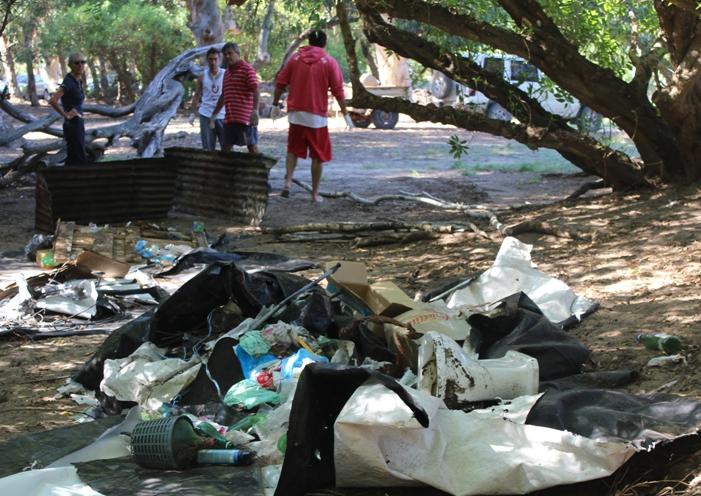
186,443
210,431
660,342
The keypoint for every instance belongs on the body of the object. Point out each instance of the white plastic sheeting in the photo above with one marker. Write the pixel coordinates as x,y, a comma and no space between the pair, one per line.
513,272
148,378
62,481
75,298
378,443
446,372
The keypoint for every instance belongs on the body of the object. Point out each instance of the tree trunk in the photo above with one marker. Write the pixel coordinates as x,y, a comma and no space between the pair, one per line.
28,32
96,91
205,21
125,86
229,21
263,56
365,48
8,65
104,81
54,70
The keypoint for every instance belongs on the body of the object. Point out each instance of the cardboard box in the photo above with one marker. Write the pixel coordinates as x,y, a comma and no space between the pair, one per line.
381,298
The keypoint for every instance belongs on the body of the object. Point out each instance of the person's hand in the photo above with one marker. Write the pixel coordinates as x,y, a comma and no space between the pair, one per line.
191,118
72,113
212,123
254,119
275,112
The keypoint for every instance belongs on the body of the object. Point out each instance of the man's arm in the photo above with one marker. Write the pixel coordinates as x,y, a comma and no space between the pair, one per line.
279,90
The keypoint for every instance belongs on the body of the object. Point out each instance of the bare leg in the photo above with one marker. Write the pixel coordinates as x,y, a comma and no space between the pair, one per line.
317,166
226,148
290,167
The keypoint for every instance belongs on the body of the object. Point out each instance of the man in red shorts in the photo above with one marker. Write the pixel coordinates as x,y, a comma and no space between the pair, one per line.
309,74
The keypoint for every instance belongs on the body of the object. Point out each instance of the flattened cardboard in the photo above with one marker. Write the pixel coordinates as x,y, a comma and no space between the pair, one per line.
382,298
94,262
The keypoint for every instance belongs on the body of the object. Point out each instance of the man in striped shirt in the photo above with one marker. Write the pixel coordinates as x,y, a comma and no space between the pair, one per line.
240,99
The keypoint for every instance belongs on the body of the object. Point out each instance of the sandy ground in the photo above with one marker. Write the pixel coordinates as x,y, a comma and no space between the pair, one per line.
637,254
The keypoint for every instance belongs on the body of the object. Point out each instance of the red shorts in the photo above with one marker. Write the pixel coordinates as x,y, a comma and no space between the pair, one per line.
316,140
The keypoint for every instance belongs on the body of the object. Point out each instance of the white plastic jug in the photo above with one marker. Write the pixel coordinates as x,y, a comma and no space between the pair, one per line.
447,373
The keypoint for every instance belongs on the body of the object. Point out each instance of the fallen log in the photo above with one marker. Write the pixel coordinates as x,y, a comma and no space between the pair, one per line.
393,238
353,227
423,197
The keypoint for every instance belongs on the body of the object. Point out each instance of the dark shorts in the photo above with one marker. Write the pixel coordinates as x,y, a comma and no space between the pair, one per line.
236,134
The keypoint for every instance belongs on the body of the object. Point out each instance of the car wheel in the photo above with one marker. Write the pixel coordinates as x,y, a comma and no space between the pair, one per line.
384,120
497,112
362,122
589,121
442,86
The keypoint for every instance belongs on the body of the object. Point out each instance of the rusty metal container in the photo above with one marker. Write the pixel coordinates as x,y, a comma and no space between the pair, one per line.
106,192
231,186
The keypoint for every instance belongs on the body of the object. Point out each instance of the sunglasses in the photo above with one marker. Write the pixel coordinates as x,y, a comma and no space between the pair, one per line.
79,62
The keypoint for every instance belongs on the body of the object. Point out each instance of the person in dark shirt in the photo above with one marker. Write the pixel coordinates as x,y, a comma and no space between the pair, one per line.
71,95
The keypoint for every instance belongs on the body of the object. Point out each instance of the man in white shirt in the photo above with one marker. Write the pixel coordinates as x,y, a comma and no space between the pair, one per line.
209,89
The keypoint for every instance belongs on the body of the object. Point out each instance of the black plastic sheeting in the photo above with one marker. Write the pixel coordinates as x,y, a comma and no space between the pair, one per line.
185,314
521,326
122,477
321,393
39,449
614,415
247,260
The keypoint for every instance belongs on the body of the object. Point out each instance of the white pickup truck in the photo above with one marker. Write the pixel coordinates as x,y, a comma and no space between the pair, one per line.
524,75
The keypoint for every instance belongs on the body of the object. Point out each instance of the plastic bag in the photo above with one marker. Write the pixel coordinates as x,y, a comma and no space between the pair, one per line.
292,366
249,394
38,242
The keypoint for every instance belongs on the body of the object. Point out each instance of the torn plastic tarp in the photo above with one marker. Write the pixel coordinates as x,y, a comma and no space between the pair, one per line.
62,481
40,449
513,272
378,443
147,377
518,325
248,261
75,298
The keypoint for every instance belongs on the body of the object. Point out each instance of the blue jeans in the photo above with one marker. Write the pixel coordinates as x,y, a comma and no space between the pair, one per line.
211,136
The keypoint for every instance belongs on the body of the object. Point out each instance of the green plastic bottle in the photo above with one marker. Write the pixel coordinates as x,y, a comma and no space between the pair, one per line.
660,342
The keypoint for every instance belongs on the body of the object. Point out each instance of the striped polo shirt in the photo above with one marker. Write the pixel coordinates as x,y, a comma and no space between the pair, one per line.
240,86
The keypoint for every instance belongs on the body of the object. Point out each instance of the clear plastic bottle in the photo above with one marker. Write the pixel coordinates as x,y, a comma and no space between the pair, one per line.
225,457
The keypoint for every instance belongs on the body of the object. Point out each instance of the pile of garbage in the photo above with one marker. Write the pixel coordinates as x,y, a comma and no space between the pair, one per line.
476,388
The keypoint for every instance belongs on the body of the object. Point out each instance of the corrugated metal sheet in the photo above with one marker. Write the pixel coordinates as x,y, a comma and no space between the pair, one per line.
232,186
107,192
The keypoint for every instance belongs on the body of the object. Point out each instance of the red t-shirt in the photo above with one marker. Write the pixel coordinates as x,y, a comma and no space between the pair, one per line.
240,87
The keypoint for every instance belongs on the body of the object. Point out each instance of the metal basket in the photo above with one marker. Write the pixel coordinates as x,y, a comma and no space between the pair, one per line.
152,443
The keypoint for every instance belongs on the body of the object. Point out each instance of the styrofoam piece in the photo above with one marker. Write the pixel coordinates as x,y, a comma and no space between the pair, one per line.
62,481
446,372
513,272
379,443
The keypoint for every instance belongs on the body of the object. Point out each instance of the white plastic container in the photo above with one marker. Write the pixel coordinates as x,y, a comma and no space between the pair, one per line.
447,373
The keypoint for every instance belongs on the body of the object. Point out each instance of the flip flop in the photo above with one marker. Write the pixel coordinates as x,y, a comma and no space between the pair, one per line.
285,193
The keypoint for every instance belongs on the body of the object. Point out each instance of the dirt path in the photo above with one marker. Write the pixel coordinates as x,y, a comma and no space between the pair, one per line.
639,255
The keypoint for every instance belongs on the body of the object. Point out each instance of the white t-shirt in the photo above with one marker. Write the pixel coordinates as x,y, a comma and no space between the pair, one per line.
211,91
307,119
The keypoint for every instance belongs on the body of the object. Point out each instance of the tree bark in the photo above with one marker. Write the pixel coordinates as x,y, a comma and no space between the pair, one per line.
546,47
96,89
8,62
538,128
28,32
262,55
205,21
